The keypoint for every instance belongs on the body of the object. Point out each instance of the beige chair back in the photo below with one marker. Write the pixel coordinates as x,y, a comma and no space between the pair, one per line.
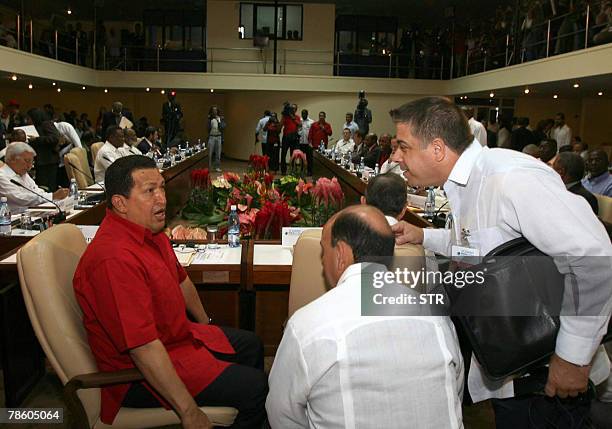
307,278
94,150
605,207
71,159
81,153
46,265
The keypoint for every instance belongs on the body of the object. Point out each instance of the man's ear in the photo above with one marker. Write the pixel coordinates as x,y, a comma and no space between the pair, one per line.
363,200
438,148
119,203
344,256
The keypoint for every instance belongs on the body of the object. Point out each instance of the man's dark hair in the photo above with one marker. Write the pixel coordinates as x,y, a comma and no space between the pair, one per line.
435,117
150,131
548,149
323,113
368,245
267,113
118,178
561,115
573,164
565,148
387,192
357,133
111,130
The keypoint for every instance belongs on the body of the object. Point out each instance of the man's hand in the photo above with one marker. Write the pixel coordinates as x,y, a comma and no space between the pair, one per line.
60,194
566,379
407,233
195,419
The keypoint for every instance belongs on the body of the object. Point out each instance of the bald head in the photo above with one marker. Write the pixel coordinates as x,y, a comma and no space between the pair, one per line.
356,234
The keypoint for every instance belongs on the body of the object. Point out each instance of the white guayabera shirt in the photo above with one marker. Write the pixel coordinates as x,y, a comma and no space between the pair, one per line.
498,195
336,369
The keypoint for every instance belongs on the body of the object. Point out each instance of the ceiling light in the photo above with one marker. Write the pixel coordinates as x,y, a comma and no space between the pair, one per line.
30,86
600,93
526,91
83,88
212,90
105,90
555,96
147,89
14,77
492,94
576,85
53,84
69,11
59,89
162,92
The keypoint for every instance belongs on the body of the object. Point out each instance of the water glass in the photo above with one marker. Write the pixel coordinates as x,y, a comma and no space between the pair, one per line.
212,236
26,221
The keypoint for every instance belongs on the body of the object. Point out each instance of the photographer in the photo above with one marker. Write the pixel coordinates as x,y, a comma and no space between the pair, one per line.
291,124
363,115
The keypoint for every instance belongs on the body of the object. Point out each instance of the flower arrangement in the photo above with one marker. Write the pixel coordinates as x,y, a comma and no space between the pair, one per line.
298,163
265,204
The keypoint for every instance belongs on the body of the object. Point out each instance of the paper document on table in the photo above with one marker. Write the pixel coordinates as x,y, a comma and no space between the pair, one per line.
125,123
223,255
185,258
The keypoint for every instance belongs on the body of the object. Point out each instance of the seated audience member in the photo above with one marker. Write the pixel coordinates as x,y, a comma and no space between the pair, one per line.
109,152
150,142
135,296
360,148
345,145
384,142
372,151
570,167
580,148
599,180
533,150
390,166
548,150
130,143
334,366
19,159
388,193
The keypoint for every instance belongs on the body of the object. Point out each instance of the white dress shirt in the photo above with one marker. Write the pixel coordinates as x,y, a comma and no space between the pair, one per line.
563,136
499,195
68,131
106,156
303,132
391,220
127,150
344,146
337,369
18,198
479,131
503,138
351,126
262,134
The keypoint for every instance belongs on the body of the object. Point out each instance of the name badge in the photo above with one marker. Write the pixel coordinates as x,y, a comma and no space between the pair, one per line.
463,251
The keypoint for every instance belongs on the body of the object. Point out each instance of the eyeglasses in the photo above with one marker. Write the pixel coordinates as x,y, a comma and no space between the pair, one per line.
28,161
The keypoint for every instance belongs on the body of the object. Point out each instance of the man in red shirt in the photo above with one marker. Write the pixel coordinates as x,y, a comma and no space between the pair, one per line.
291,124
318,134
134,296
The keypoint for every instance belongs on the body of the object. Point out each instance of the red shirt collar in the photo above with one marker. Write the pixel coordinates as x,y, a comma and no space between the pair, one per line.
137,232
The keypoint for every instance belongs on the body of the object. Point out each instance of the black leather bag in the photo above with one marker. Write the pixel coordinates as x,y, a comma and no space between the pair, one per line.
525,278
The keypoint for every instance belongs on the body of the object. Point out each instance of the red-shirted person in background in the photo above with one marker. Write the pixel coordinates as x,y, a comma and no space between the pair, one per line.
319,133
135,297
291,124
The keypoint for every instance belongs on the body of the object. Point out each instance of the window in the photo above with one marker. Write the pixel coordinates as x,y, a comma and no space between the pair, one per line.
259,18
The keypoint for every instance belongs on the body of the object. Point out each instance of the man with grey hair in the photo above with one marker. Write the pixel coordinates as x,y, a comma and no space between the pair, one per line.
19,160
115,116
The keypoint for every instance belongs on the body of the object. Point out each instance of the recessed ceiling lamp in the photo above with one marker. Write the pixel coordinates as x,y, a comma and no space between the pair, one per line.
106,90
576,85
526,91
147,89
492,94
14,77
30,86
212,90
83,88
600,93
162,92
59,89
69,11
555,96
53,84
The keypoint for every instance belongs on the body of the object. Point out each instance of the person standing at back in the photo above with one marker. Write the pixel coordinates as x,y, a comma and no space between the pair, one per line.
216,127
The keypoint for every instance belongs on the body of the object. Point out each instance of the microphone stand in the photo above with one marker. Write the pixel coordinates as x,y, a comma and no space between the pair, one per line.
59,217
87,175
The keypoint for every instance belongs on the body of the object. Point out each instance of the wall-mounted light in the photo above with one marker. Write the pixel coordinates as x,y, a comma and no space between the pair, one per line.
241,31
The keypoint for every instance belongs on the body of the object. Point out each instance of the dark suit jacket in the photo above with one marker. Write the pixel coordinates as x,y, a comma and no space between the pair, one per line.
520,138
109,119
372,156
363,150
578,189
46,144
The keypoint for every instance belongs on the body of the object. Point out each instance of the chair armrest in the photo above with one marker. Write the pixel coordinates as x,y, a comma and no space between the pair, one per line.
102,379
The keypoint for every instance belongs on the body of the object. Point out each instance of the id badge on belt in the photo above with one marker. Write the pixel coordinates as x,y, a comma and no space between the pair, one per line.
464,253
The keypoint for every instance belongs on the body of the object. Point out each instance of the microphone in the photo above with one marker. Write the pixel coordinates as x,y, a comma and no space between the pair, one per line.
60,217
86,174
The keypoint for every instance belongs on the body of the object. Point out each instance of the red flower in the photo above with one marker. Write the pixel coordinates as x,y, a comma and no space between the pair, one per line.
232,178
259,162
271,218
268,179
200,178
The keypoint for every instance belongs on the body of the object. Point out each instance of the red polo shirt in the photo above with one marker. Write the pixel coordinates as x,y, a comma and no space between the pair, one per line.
319,132
290,125
128,287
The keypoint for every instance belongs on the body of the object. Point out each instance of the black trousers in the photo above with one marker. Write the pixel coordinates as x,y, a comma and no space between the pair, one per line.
272,150
307,149
243,386
536,411
290,142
